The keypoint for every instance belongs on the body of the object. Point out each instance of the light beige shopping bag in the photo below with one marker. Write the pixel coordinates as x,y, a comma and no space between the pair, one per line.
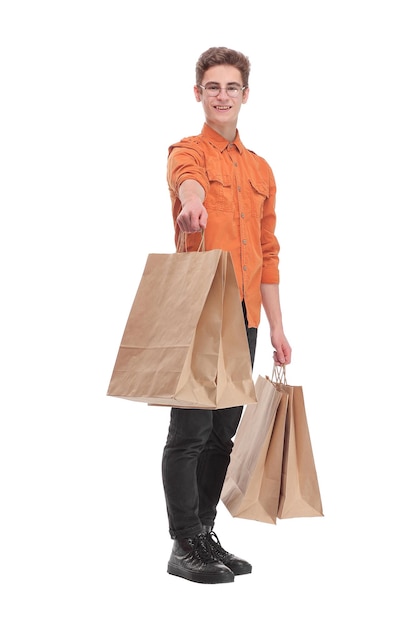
272,472
300,491
185,342
252,485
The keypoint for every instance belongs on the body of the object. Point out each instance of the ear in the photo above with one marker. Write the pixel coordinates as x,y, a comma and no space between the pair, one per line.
197,93
245,96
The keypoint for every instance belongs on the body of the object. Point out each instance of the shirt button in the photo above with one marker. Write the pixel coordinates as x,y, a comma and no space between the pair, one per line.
244,268
239,188
244,241
242,215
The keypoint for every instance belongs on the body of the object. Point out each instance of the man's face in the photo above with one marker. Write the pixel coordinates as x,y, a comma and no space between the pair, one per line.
221,109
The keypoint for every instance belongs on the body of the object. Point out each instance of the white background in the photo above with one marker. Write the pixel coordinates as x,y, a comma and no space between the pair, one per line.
92,94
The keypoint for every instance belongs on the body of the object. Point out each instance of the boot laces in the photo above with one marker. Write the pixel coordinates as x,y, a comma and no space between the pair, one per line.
216,546
203,550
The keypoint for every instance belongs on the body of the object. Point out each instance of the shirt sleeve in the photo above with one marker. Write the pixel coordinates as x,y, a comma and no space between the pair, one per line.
186,162
269,242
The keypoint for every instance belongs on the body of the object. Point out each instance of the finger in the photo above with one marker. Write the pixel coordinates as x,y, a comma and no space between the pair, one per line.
279,359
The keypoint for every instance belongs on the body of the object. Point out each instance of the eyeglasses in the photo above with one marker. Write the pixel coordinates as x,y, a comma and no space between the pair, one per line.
213,89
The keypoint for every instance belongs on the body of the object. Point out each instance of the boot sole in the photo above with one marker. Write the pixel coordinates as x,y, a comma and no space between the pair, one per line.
199,577
243,570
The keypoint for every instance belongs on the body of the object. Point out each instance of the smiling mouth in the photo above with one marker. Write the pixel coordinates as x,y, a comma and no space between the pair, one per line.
222,108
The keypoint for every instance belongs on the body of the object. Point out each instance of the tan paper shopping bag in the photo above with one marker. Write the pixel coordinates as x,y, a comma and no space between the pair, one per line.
185,341
300,492
252,485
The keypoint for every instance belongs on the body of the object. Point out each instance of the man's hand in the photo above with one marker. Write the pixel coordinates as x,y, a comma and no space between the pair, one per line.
193,216
282,352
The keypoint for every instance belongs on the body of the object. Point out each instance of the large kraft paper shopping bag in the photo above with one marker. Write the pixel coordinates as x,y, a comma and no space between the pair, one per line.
185,342
300,492
252,485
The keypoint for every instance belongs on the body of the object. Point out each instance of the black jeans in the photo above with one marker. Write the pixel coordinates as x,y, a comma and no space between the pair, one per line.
195,460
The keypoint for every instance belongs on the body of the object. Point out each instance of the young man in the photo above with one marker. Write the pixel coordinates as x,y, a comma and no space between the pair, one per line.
218,186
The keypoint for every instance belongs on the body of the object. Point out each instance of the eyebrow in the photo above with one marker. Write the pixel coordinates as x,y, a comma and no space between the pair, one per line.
233,84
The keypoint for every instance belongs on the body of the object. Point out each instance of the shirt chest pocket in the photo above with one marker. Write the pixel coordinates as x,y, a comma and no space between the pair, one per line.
221,192
259,193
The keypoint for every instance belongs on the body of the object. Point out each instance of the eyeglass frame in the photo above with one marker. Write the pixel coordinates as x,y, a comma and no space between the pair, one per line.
237,88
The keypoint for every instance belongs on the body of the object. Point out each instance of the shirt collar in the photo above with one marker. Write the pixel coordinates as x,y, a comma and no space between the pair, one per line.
220,142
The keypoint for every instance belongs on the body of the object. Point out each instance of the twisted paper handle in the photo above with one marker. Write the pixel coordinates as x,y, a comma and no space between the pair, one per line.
279,374
182,243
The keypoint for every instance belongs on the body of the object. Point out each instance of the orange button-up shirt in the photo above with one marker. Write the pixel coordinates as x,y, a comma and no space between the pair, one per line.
240,200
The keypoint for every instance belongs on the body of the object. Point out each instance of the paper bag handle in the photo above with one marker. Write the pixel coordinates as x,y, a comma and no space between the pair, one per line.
279,374
182,242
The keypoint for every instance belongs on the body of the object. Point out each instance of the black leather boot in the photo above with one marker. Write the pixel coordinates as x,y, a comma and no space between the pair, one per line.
194,560
238,566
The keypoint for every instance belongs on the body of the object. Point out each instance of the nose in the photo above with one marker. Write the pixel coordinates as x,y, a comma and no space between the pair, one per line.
220,94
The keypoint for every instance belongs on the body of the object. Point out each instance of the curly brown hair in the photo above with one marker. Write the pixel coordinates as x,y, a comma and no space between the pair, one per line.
222,56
